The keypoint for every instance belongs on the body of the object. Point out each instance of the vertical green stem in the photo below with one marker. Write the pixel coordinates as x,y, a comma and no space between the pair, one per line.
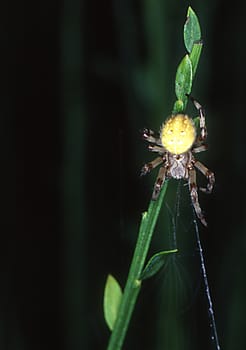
133,284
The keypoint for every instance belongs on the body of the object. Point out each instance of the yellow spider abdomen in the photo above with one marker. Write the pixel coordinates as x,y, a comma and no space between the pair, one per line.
178,134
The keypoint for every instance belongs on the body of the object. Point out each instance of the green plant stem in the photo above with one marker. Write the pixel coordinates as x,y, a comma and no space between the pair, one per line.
133,284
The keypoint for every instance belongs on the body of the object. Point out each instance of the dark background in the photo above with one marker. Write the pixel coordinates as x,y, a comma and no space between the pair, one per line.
79,80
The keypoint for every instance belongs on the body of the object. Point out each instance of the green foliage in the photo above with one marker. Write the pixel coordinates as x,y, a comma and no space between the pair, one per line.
155,263
192,31
195,55
188,65
183,81
112,299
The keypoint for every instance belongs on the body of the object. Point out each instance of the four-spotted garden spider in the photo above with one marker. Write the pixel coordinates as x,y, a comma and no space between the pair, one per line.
177,142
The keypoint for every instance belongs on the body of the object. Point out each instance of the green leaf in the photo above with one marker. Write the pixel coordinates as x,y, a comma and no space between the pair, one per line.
192,31
112,300
195,56
183,81
155,264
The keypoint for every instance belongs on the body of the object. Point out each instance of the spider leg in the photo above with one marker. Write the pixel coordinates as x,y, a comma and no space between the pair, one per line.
151,165
194,196
209,175
154,148
159,183
148,135
201,148
201,111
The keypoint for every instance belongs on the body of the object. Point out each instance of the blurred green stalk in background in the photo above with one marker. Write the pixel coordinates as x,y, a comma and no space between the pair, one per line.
73,137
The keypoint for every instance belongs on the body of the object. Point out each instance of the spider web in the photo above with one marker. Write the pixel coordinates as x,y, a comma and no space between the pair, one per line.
185,272
212,323
184,265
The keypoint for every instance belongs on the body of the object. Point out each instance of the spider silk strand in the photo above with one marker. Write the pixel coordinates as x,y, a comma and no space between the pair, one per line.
212,323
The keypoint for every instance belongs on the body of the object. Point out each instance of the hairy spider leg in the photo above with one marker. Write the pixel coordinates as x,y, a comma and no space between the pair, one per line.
209,175
148,135
154,148
199,149
159,182
151,165
201,111
194,196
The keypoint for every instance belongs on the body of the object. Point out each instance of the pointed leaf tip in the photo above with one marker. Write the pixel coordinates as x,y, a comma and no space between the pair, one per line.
155,263
192,30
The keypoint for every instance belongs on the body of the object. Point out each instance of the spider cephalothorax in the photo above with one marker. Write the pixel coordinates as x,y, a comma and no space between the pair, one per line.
177,142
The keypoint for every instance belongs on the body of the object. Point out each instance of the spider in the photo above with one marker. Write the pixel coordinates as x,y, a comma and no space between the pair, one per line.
176,144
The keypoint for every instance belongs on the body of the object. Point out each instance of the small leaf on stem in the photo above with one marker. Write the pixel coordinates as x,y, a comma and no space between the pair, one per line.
192,31
156,263
112,299
183,81
195,56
